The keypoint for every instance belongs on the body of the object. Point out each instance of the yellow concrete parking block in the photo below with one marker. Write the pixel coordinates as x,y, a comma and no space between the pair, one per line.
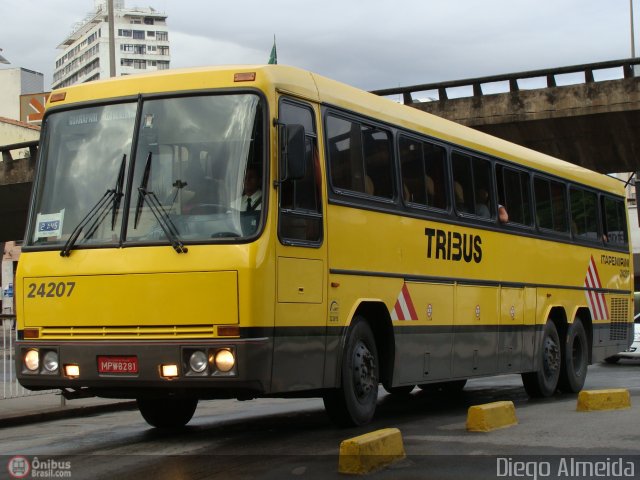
370,451
490,416
611,399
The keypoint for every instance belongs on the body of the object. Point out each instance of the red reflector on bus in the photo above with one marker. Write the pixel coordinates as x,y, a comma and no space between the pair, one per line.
244,77
229,331
57,96
31,333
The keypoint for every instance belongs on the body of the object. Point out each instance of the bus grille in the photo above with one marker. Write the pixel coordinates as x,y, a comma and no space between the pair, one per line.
619,318
163,331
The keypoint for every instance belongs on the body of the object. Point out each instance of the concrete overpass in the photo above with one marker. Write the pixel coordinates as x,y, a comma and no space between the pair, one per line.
16,176
586,114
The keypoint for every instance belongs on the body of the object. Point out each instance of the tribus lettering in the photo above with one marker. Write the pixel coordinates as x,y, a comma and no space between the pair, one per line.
456,246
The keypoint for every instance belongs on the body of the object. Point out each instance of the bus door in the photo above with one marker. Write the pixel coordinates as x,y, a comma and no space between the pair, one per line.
300,313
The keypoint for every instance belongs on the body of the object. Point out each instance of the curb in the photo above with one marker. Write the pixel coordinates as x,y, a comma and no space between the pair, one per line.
371,451
610,399
491,416
64,412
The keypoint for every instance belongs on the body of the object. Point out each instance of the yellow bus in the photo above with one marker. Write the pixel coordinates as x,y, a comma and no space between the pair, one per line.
242,232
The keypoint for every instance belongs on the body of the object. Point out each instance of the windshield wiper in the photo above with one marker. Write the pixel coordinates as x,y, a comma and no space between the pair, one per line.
98,212
162,217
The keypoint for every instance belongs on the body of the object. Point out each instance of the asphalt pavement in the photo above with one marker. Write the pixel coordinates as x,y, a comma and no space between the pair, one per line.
40,407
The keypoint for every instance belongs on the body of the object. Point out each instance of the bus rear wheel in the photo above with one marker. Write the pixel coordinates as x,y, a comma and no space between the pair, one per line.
544,381
167,412
354,403
575,359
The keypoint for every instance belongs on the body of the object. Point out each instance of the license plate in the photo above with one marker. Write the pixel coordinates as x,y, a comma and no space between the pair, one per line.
109,364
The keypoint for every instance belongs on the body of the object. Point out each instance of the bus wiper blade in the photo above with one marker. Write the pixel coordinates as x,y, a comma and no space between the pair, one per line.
162,217
98,212
117,197
119,192
95,211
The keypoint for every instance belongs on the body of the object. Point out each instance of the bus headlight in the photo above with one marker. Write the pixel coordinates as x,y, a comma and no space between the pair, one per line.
224,360
198,361
32,360
50,361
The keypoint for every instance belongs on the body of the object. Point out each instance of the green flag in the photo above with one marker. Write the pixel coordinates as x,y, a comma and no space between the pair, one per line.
273,58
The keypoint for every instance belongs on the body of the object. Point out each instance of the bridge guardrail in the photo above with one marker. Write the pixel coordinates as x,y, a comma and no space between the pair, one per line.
628,67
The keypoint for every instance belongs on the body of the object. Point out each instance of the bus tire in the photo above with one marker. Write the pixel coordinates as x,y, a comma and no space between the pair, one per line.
544,381
575,359
167,412
354,403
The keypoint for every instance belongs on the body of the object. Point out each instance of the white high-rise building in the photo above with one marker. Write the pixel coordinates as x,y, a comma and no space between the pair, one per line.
141,44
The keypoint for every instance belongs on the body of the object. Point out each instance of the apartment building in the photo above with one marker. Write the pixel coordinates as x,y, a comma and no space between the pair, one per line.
141,44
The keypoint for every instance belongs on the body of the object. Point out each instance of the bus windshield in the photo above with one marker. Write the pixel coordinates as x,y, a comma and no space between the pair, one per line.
194,173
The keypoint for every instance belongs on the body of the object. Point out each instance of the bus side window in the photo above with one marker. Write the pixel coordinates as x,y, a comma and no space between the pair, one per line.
615,221
423,173
473,188
551,205
514,193
584,214
360,157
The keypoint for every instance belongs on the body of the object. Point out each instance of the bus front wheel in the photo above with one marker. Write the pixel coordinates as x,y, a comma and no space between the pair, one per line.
544,381
575,359
354,403
167,412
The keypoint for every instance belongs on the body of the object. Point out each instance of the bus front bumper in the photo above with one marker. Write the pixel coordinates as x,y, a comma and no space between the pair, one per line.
221,368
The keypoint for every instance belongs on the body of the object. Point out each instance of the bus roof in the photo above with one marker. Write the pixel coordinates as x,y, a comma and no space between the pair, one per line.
295,81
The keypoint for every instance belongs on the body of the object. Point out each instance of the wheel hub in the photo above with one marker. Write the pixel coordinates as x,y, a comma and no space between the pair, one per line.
551,356
364,371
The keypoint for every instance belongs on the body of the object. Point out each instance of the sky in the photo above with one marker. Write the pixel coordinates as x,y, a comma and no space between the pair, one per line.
371,44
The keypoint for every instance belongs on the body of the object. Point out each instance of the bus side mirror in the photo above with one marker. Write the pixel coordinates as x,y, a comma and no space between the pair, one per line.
293,152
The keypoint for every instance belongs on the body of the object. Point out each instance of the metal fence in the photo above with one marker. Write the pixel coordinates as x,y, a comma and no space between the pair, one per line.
10,386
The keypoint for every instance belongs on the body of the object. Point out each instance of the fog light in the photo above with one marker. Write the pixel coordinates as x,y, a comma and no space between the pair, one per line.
72,371
169,371
50,361
198,361
32,360
225,360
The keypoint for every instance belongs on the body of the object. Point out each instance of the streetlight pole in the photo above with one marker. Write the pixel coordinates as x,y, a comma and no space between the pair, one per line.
633,40
112,40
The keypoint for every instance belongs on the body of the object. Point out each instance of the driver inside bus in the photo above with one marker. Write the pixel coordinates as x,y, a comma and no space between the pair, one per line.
251,199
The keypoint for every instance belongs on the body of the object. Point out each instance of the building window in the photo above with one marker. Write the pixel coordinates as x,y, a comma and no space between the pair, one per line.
163,50
126,62
124,33
148,20
163,65
151,33
140,64
136,20
162,36
138,35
